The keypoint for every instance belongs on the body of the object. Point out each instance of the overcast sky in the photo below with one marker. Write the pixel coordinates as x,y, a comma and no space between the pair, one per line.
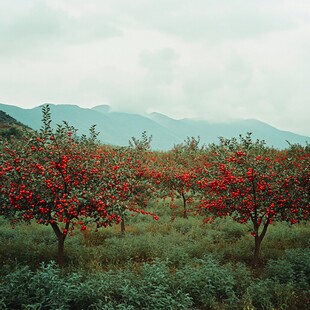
210,59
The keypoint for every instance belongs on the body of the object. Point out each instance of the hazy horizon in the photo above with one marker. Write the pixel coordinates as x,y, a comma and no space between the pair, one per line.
212,60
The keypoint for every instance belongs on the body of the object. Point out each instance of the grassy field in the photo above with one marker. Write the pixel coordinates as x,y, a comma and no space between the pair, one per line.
164,264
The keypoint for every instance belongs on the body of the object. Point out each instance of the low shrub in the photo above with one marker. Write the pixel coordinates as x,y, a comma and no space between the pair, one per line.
293,267
208,283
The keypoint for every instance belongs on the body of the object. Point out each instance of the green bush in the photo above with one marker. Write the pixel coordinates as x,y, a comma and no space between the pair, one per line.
203,284
153,289
208,283
292,267
260,294
48,289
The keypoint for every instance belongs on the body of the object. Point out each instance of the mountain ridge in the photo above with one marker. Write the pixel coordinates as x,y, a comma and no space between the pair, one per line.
9,126
117,128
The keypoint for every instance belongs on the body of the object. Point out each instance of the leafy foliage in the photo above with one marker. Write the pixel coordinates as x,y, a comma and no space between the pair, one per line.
253,183
56,179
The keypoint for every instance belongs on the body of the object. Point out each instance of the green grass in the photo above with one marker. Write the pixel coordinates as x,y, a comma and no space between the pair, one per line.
180,241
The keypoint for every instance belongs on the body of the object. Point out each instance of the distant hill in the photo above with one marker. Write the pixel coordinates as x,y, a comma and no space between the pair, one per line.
118,128
10,126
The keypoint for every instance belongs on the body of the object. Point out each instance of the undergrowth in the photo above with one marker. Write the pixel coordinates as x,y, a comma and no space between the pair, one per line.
164,264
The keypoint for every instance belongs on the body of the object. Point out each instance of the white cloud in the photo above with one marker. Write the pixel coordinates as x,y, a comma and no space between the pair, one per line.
208,59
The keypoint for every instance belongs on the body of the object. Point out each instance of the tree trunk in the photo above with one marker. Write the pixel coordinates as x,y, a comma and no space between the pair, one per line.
184,206
258,242
61,252
123,227
61,243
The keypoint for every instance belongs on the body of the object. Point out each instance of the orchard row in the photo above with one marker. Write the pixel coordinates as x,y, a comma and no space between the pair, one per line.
56,178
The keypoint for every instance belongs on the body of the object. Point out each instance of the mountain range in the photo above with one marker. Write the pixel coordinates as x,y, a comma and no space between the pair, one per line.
117,128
